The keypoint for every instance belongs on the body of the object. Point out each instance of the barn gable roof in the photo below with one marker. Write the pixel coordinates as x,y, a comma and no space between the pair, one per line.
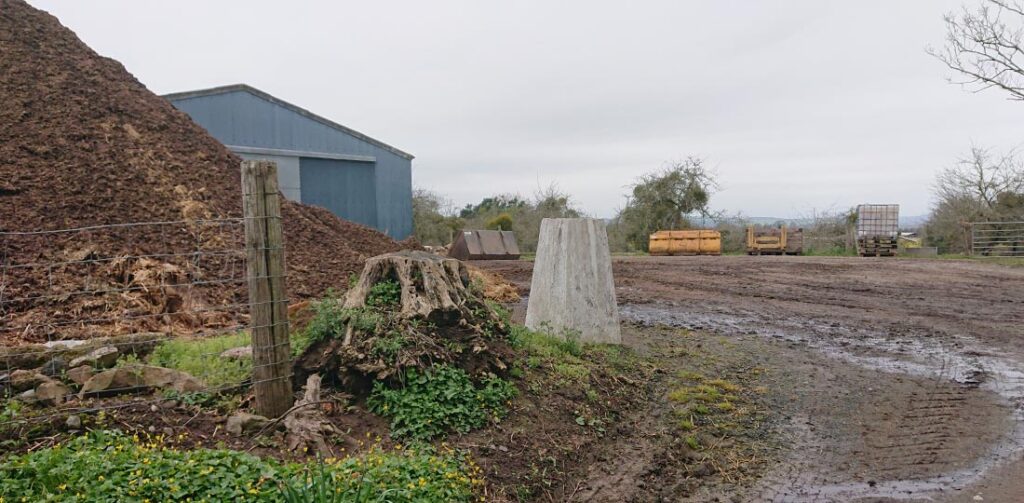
284,104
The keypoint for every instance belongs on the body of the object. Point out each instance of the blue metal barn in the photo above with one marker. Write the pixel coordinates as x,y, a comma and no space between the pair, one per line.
319,162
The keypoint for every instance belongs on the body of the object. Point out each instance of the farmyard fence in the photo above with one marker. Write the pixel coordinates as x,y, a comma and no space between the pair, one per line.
104,316
997,239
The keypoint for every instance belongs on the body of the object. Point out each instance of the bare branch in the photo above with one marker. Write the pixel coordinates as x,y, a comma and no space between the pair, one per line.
986,50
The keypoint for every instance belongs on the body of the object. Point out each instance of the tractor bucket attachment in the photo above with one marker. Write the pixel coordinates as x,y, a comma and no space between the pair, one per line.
485,245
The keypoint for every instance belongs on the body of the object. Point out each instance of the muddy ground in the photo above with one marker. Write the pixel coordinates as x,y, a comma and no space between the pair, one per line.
886,379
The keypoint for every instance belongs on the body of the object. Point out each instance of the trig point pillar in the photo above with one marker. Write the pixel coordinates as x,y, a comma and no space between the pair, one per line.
572,287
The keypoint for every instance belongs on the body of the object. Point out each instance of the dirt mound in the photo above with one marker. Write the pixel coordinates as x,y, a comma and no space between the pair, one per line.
84,144
493,285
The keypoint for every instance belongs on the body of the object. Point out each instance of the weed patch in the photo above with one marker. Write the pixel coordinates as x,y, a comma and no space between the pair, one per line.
108,466
716,405
544,345
573,371
441,399
328,321
201,358
387,293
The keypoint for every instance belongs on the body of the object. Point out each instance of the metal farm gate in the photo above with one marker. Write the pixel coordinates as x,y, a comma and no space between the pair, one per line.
997,239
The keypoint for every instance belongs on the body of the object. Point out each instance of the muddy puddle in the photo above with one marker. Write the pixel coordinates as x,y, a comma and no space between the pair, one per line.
957,359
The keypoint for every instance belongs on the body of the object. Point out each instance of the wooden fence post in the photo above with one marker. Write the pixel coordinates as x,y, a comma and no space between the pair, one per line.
268,309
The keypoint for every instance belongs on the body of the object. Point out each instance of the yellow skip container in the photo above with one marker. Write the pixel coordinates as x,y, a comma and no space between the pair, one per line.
691,242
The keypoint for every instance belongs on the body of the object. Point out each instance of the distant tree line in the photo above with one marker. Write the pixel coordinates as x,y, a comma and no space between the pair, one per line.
661,200
436,221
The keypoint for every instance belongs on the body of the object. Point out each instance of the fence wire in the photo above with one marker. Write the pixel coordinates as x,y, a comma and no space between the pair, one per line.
129,288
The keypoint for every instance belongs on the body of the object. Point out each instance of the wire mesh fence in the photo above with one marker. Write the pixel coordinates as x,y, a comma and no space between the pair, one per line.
997,239
93,317
816,243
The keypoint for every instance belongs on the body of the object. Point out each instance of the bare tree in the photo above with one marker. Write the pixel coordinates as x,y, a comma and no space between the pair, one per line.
986,46
982,186
986,178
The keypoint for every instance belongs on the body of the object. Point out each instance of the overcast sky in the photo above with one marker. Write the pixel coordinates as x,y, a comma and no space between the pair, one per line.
800,105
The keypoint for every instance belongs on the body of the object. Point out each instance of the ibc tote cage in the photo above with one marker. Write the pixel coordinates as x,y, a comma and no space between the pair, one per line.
878,228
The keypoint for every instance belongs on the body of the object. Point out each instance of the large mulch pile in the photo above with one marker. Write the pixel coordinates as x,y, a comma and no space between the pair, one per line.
83,143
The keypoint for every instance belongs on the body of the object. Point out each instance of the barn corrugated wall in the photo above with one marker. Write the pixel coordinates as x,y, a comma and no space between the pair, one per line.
242,119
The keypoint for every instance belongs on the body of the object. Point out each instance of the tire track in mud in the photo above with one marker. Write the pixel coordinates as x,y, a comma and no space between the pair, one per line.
955,326
910,456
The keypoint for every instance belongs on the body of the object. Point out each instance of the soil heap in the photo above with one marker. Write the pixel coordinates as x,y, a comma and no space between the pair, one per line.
83,143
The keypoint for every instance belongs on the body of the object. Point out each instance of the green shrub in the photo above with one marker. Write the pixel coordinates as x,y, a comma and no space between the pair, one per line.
111,467
201,358
328,321
502,222
439,400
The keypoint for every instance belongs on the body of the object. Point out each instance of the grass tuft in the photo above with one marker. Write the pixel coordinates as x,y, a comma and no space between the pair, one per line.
200,357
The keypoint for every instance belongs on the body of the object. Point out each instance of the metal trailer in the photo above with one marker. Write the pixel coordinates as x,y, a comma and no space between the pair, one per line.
878,227
484,245
782,241
690,242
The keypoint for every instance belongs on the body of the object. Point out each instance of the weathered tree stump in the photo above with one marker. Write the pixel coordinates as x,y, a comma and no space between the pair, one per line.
433,288
434,317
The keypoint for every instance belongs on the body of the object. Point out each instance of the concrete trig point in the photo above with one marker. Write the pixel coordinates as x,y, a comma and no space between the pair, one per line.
572,287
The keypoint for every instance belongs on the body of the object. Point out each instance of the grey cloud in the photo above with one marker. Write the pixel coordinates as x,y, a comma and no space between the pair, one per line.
800,104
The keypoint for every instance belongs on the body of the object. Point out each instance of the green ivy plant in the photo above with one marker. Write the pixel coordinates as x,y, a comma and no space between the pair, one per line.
441,399
384,294
107,466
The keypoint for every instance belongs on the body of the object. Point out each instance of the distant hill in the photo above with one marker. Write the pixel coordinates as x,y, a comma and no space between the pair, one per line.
912,221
